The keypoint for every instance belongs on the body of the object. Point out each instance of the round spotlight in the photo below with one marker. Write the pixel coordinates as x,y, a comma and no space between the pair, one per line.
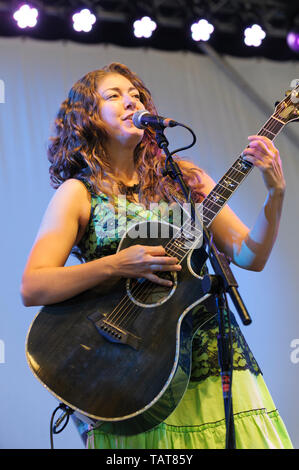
26,16
202,30
293,40
144,27
83,21
254,35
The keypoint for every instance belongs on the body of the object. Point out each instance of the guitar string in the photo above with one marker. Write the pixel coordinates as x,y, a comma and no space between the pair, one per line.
234,172
123,320
147,285
141,288
128,320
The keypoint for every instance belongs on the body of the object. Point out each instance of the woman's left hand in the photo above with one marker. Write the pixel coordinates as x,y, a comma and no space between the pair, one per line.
262,153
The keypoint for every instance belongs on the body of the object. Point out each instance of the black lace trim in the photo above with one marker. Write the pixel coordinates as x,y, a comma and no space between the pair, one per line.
124,189
205,351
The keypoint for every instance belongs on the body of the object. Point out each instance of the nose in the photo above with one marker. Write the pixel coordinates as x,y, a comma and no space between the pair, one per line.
129,102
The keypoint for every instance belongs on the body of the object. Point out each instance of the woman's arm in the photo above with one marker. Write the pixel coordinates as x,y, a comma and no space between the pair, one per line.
250,249
46,280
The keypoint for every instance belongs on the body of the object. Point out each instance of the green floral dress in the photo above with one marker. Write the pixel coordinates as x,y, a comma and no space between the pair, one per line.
198,422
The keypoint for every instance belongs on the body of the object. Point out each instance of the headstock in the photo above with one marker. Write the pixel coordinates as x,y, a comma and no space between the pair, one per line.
287,110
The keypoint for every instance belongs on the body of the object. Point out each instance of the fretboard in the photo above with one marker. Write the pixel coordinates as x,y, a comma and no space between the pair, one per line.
232,179
180,246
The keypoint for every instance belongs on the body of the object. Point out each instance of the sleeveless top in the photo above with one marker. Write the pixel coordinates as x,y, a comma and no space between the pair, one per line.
106,226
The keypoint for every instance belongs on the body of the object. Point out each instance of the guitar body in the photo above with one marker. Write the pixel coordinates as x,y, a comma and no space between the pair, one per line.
122,358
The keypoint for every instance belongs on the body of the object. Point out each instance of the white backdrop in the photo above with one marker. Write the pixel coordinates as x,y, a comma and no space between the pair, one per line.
189,88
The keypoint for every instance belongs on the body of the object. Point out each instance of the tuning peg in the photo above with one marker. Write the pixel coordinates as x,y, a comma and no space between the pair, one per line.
283,105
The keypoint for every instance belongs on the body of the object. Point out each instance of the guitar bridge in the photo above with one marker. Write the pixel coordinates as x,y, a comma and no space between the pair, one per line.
112,332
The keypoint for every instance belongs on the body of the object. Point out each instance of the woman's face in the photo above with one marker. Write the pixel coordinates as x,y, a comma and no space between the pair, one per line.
119,101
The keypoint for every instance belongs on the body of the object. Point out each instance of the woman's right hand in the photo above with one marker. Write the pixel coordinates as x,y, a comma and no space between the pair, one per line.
140,261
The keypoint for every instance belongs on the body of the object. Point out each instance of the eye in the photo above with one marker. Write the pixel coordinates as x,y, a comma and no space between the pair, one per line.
135,95
109,97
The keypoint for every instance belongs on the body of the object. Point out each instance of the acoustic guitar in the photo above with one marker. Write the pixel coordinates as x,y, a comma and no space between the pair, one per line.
122,358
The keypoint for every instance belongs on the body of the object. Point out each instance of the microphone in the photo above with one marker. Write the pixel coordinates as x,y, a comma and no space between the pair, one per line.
143,119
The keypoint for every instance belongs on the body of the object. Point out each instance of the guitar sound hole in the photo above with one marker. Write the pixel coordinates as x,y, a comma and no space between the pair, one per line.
149,294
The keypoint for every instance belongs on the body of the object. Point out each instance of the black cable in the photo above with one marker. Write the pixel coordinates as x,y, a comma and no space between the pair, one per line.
169,172
188,146
64,417
180,149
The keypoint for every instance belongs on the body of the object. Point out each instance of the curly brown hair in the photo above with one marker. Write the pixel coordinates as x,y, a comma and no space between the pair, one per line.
77,149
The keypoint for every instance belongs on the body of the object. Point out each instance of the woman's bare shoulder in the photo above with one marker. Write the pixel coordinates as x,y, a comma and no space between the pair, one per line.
70,201
73,186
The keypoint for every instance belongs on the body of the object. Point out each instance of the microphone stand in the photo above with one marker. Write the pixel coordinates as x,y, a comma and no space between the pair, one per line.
219,284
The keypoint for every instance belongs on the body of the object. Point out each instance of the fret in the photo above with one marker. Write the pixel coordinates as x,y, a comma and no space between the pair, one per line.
223,190
269,132
242,164
215,199
230,180
173,252
179,247
282,123
226,192
206,221
181,244
208,212
272,126
236,175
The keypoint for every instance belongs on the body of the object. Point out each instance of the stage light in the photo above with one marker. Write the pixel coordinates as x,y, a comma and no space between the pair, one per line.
144,27
202,30
83,21
293,40
254,35
26,17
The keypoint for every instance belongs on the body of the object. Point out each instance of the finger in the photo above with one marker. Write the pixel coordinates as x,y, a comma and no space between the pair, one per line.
257,159
160,267
259,154
155,250
261,146
265,141
252,159
158,280
261,138
168,260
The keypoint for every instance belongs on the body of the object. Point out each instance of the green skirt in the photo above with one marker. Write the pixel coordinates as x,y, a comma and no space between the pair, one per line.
198,421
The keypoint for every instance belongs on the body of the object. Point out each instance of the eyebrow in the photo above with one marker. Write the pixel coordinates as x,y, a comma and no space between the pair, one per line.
118,89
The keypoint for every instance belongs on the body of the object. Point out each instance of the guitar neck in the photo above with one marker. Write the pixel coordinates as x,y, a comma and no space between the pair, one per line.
232,179
190,236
